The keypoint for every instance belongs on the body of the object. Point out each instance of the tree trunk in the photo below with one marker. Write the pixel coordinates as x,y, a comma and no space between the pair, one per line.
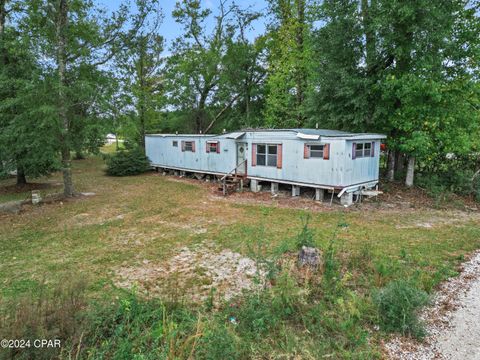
247,97
200,113
62,22
410,171
21,178
300,76
141,100
391,166
3,56
370,41
3,14
2,17
400,162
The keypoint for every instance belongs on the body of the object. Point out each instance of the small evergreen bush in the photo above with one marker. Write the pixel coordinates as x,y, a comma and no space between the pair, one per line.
398,304
126,163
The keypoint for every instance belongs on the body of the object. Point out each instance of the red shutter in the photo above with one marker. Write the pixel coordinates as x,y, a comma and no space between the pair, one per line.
354,146
326,151
279,156
372,151
183,145
306,151
193,146
207,147
254,154
218,147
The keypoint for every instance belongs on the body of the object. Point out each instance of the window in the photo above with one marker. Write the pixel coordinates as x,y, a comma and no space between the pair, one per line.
175,143
212,147
266,155
261,155
188,146
361,150
316,151
367,149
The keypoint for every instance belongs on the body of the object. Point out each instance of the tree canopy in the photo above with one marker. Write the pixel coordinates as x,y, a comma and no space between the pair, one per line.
72,71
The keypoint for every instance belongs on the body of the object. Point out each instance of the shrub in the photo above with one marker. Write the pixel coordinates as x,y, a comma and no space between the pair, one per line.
398,304
126,163
457,181
476,188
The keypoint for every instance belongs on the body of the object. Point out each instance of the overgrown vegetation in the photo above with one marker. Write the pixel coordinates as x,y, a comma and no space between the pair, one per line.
398,304
148,219
442,184
44,313
307,314
260,323
127,162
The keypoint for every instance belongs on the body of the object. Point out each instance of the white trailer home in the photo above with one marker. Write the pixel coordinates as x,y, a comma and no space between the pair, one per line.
342,163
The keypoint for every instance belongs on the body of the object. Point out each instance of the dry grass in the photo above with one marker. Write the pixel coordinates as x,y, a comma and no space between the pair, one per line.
150,217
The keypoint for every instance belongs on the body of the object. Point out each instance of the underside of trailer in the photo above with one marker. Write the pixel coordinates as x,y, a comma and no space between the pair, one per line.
237,181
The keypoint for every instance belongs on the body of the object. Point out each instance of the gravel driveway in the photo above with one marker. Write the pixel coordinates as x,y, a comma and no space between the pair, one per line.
453,321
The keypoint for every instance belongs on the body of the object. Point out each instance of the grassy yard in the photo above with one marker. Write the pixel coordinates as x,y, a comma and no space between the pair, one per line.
133,221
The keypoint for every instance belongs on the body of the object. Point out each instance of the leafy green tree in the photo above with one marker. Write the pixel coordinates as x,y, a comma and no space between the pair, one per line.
244,74
338,97
404,68
199,70
74,40
140,67
289,56
26,144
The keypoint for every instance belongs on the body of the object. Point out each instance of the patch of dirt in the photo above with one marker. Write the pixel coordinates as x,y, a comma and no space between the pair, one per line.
442,218
282,199
453,321
97,218
395,197
192,275
158,220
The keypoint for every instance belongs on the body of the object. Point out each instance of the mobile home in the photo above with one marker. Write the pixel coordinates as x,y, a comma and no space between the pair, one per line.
341,163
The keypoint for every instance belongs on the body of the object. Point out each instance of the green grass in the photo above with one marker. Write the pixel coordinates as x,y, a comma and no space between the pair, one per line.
149,217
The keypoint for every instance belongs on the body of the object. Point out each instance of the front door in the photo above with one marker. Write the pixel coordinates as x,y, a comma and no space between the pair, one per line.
241,156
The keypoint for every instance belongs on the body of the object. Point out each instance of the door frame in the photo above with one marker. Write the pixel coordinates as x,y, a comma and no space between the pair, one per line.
243,159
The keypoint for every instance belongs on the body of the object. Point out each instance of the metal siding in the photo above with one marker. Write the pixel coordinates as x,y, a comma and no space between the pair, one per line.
362,169
162,153
339,170
295,167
